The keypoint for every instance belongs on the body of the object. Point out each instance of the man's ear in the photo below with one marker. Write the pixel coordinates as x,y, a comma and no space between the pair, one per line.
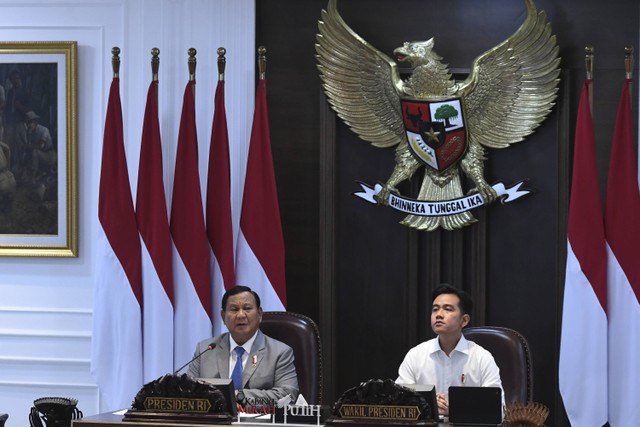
465,320
222,315
260,314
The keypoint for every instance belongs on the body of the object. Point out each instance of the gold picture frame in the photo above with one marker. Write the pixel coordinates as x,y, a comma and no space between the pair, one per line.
38,149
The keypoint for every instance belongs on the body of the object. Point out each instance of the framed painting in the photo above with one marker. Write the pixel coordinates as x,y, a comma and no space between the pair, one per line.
38,149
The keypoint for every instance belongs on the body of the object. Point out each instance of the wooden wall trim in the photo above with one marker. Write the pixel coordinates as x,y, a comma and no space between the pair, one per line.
326,286
477,264
413,286
565,150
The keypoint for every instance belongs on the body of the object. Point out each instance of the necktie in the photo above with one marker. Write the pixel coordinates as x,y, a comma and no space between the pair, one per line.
236,375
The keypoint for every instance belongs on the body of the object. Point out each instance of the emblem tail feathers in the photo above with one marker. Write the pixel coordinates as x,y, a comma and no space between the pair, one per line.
430,190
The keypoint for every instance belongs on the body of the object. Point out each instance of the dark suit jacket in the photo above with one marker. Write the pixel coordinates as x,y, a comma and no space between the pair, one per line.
273,376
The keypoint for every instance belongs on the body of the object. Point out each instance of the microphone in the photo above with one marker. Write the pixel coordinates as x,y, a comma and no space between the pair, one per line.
209,347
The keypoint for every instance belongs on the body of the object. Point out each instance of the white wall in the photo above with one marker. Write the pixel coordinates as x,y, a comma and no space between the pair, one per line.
46,303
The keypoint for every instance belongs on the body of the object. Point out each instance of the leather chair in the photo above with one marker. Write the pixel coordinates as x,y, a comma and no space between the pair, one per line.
512,355
301,334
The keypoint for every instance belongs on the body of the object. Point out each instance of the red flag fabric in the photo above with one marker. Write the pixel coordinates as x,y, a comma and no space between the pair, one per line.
583,343
192,321
116,345
153,224
260,248
622,230
219,225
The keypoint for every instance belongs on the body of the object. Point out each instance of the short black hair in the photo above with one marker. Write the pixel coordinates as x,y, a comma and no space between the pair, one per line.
238,290
466,303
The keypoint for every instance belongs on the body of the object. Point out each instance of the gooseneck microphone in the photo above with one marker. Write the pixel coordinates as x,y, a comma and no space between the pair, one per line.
209,347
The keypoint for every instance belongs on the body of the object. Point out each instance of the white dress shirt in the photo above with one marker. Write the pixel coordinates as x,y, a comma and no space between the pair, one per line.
245,356
468,364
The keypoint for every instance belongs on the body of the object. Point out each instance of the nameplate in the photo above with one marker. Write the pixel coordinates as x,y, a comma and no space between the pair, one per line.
312,411
177,404
380,412
180,399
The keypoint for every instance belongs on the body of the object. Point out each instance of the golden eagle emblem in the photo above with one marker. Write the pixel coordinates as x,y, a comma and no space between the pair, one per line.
434,120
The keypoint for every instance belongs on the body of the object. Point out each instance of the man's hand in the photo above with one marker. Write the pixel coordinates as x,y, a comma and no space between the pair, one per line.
443,404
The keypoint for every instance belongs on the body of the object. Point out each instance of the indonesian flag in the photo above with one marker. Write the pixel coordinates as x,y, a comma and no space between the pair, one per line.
260,248
219,225
153,224
583,344
622,229
192,322
116,345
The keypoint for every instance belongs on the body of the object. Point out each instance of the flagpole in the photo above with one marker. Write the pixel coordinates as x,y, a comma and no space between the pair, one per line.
115,61
588,62
222,61
583,342
262,62
628,64
155,66
193,310
260,252
622,230
219,218
116,347
191,62
153,227
155,63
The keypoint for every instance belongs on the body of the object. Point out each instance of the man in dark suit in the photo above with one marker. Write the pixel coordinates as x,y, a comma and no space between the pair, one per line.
262,368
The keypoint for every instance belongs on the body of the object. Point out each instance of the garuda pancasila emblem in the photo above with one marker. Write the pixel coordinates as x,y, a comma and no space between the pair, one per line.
435,121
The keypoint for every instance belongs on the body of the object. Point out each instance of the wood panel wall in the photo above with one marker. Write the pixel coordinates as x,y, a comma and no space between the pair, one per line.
365,278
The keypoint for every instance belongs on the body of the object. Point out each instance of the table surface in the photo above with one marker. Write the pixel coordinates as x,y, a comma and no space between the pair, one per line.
110,419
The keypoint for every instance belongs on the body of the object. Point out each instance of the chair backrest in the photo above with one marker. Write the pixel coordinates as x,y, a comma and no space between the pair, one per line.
301,334
512,355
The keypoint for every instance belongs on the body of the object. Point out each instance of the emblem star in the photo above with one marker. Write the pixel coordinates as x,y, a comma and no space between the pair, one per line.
433,135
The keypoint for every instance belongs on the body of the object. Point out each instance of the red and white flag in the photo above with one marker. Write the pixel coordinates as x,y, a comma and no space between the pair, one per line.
192,321
583,344
153,224
622,230
116,345
219,225
260,247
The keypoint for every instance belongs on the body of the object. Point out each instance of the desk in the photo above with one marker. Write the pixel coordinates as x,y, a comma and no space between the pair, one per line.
111,420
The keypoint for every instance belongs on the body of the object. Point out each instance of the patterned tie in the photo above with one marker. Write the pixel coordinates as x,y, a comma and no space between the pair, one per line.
236,375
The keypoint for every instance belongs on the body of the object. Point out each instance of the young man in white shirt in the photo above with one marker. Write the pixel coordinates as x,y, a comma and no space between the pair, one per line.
449,359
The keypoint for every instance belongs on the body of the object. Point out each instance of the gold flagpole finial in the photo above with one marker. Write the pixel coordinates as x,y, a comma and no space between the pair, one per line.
262,62
588,64
222,61
192,63
155,63
588,61
628,61
115,61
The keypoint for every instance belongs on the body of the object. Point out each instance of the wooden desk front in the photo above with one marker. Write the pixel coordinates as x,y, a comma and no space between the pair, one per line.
112,420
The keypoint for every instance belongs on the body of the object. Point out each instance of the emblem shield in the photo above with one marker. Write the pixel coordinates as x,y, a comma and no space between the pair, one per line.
436,132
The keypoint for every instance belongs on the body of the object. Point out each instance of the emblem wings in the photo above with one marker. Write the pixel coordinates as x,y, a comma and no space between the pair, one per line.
508,93
362,84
